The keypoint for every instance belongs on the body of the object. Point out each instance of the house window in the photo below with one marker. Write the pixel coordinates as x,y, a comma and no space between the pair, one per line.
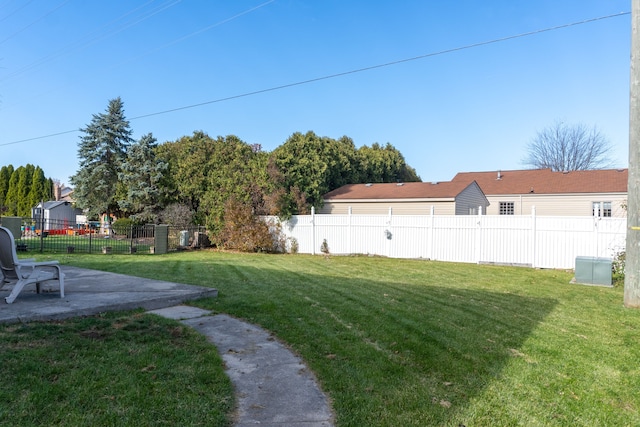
602,209
473,210
506,208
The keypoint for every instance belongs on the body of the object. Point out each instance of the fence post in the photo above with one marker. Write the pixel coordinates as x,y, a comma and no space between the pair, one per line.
42,227
431,230
14,224
349,231
388,233
313,231
596,236
161,239
479,236
533,237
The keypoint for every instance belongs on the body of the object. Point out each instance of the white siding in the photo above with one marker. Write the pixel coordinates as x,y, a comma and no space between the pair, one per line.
558,204
381,208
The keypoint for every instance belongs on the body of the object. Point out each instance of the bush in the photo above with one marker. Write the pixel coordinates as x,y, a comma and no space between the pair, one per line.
294,245
324,247
178,215
618,266
246,232
123,226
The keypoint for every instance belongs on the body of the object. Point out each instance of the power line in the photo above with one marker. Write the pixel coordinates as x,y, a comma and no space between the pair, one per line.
51,135
98,38
95,36
386,64
195,33
345,73
34,22
15,11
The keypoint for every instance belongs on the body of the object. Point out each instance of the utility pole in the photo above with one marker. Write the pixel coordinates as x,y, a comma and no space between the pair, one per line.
632,263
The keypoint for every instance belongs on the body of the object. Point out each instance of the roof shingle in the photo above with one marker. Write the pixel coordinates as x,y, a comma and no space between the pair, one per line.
545,181
407,190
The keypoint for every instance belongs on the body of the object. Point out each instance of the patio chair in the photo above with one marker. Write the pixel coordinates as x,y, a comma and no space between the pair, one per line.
25,272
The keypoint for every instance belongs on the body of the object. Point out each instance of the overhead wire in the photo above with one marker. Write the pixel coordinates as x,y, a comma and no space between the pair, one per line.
354,71
25,4
34,22
95,36
200,31
171,43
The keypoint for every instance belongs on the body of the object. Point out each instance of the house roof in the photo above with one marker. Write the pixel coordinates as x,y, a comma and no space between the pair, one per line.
406,190
545,181
52,204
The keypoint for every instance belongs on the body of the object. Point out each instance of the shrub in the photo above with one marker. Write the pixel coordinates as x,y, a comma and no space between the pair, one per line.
294,247
246,232
618,267
324,247
177,214
123,226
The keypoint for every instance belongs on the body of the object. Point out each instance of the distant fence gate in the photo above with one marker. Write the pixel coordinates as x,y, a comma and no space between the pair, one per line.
62,236
528,240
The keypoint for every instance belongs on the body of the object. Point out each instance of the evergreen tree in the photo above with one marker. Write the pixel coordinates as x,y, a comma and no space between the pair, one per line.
38,190
142,176
101,152
385,164
5,176
315,165
25,176
49,189
11,200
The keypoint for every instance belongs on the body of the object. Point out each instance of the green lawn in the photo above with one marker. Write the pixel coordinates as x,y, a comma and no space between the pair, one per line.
406,342
118,369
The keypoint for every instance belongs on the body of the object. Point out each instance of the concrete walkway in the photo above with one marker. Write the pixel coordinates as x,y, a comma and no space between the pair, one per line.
273,386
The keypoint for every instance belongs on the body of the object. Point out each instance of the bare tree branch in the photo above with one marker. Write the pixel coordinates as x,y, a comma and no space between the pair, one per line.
564,147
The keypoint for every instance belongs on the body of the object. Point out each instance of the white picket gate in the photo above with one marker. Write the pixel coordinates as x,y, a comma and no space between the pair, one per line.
536,241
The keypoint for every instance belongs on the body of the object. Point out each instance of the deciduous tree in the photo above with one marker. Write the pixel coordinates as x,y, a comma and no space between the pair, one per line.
564,147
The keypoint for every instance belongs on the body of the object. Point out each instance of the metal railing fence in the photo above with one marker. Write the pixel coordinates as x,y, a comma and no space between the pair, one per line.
63,237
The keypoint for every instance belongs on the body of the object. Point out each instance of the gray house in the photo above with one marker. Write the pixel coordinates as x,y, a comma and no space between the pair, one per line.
56,215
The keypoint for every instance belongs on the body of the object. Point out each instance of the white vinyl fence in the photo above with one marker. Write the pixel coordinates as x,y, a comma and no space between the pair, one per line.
529,240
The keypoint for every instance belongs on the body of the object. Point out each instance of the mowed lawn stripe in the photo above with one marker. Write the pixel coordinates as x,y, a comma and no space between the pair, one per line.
414,342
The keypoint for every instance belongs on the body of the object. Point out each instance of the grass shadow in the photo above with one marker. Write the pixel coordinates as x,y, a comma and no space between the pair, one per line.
393,342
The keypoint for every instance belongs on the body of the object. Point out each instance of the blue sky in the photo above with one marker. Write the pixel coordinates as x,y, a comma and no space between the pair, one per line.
465,110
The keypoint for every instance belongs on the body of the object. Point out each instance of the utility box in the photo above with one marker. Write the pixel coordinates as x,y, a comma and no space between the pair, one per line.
593,270
161,239
13,224
184,238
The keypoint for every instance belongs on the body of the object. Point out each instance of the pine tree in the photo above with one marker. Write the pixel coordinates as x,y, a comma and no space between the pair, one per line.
11,199
142,176
38,190
5,176
25,176
101,152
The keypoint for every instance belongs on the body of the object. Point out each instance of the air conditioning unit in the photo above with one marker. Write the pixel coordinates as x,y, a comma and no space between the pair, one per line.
593,270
